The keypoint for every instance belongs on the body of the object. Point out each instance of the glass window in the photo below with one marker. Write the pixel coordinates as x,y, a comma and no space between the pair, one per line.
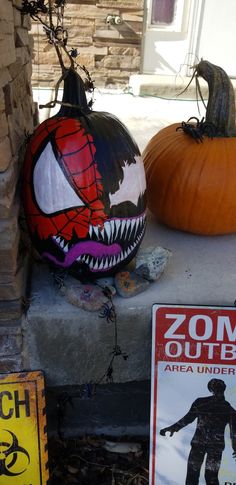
163,11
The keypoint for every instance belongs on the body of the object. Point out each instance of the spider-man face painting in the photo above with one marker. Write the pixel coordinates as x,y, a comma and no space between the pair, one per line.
84,193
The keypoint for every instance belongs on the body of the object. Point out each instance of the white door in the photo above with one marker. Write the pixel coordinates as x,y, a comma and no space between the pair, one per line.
178,33
166,41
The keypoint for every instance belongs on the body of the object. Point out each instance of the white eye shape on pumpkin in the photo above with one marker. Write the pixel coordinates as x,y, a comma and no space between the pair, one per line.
53,192
133,184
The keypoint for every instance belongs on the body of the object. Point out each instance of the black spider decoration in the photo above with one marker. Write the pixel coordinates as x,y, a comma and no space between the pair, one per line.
88,83
115,352
59,35
198,130
73,52
108,312
33,7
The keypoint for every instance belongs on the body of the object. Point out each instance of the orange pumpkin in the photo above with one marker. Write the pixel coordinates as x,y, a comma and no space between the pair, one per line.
192,186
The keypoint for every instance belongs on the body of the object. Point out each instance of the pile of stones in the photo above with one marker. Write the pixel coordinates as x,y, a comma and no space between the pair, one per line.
135,278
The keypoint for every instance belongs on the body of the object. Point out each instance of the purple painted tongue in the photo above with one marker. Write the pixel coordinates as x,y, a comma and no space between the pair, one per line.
92,248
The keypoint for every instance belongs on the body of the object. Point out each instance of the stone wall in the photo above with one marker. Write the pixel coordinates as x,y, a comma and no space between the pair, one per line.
16,118
111,53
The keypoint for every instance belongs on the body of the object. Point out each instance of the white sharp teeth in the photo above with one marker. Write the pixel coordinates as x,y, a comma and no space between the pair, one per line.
96,265
102,233
66,248
91,263
90,230
137,226
117,223
59,241
106,264
133,222
122,229
79,258
118,259
112,223
107,228
86,261
128,225
101,265
96,230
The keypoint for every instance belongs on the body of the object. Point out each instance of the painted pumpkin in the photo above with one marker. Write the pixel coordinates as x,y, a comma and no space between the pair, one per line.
84,188
191,180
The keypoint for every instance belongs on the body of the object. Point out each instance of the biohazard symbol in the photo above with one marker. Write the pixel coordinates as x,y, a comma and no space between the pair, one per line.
14,459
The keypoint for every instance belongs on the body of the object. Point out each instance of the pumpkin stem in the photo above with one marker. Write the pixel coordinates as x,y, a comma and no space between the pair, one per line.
221,100
74,101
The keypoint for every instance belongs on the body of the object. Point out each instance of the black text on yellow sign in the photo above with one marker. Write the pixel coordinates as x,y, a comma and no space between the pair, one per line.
23,438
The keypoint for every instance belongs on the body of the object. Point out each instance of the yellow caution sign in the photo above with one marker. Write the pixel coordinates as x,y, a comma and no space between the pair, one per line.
23,434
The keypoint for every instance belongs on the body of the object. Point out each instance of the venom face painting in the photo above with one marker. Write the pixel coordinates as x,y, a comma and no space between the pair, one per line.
84,193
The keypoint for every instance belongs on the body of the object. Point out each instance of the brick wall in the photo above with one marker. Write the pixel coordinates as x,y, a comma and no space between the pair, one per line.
111,53
16,118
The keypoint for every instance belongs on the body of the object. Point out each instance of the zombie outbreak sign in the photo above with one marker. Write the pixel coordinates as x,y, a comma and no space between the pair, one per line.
23,439
193,396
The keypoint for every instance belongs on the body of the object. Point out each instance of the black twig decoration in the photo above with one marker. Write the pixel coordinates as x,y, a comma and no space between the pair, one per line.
51,15
108,311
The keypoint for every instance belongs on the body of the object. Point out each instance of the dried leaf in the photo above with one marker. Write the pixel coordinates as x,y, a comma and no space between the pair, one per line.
122,447
72,469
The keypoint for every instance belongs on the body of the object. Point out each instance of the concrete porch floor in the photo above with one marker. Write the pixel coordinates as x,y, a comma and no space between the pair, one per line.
73,347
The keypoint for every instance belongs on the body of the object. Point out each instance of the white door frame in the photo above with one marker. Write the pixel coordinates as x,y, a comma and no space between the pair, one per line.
186,30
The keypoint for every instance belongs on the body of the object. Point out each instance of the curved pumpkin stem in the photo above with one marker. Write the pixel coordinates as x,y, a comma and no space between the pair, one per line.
74,102
221,101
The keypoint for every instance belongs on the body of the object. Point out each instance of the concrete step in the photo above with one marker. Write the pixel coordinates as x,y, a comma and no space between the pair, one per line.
74,347
108,409
168,86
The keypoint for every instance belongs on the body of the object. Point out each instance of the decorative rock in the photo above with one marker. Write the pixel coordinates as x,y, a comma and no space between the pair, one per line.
107,283
129,284
151,262
88,297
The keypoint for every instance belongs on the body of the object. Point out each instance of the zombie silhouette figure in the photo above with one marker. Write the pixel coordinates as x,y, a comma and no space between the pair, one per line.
213,413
